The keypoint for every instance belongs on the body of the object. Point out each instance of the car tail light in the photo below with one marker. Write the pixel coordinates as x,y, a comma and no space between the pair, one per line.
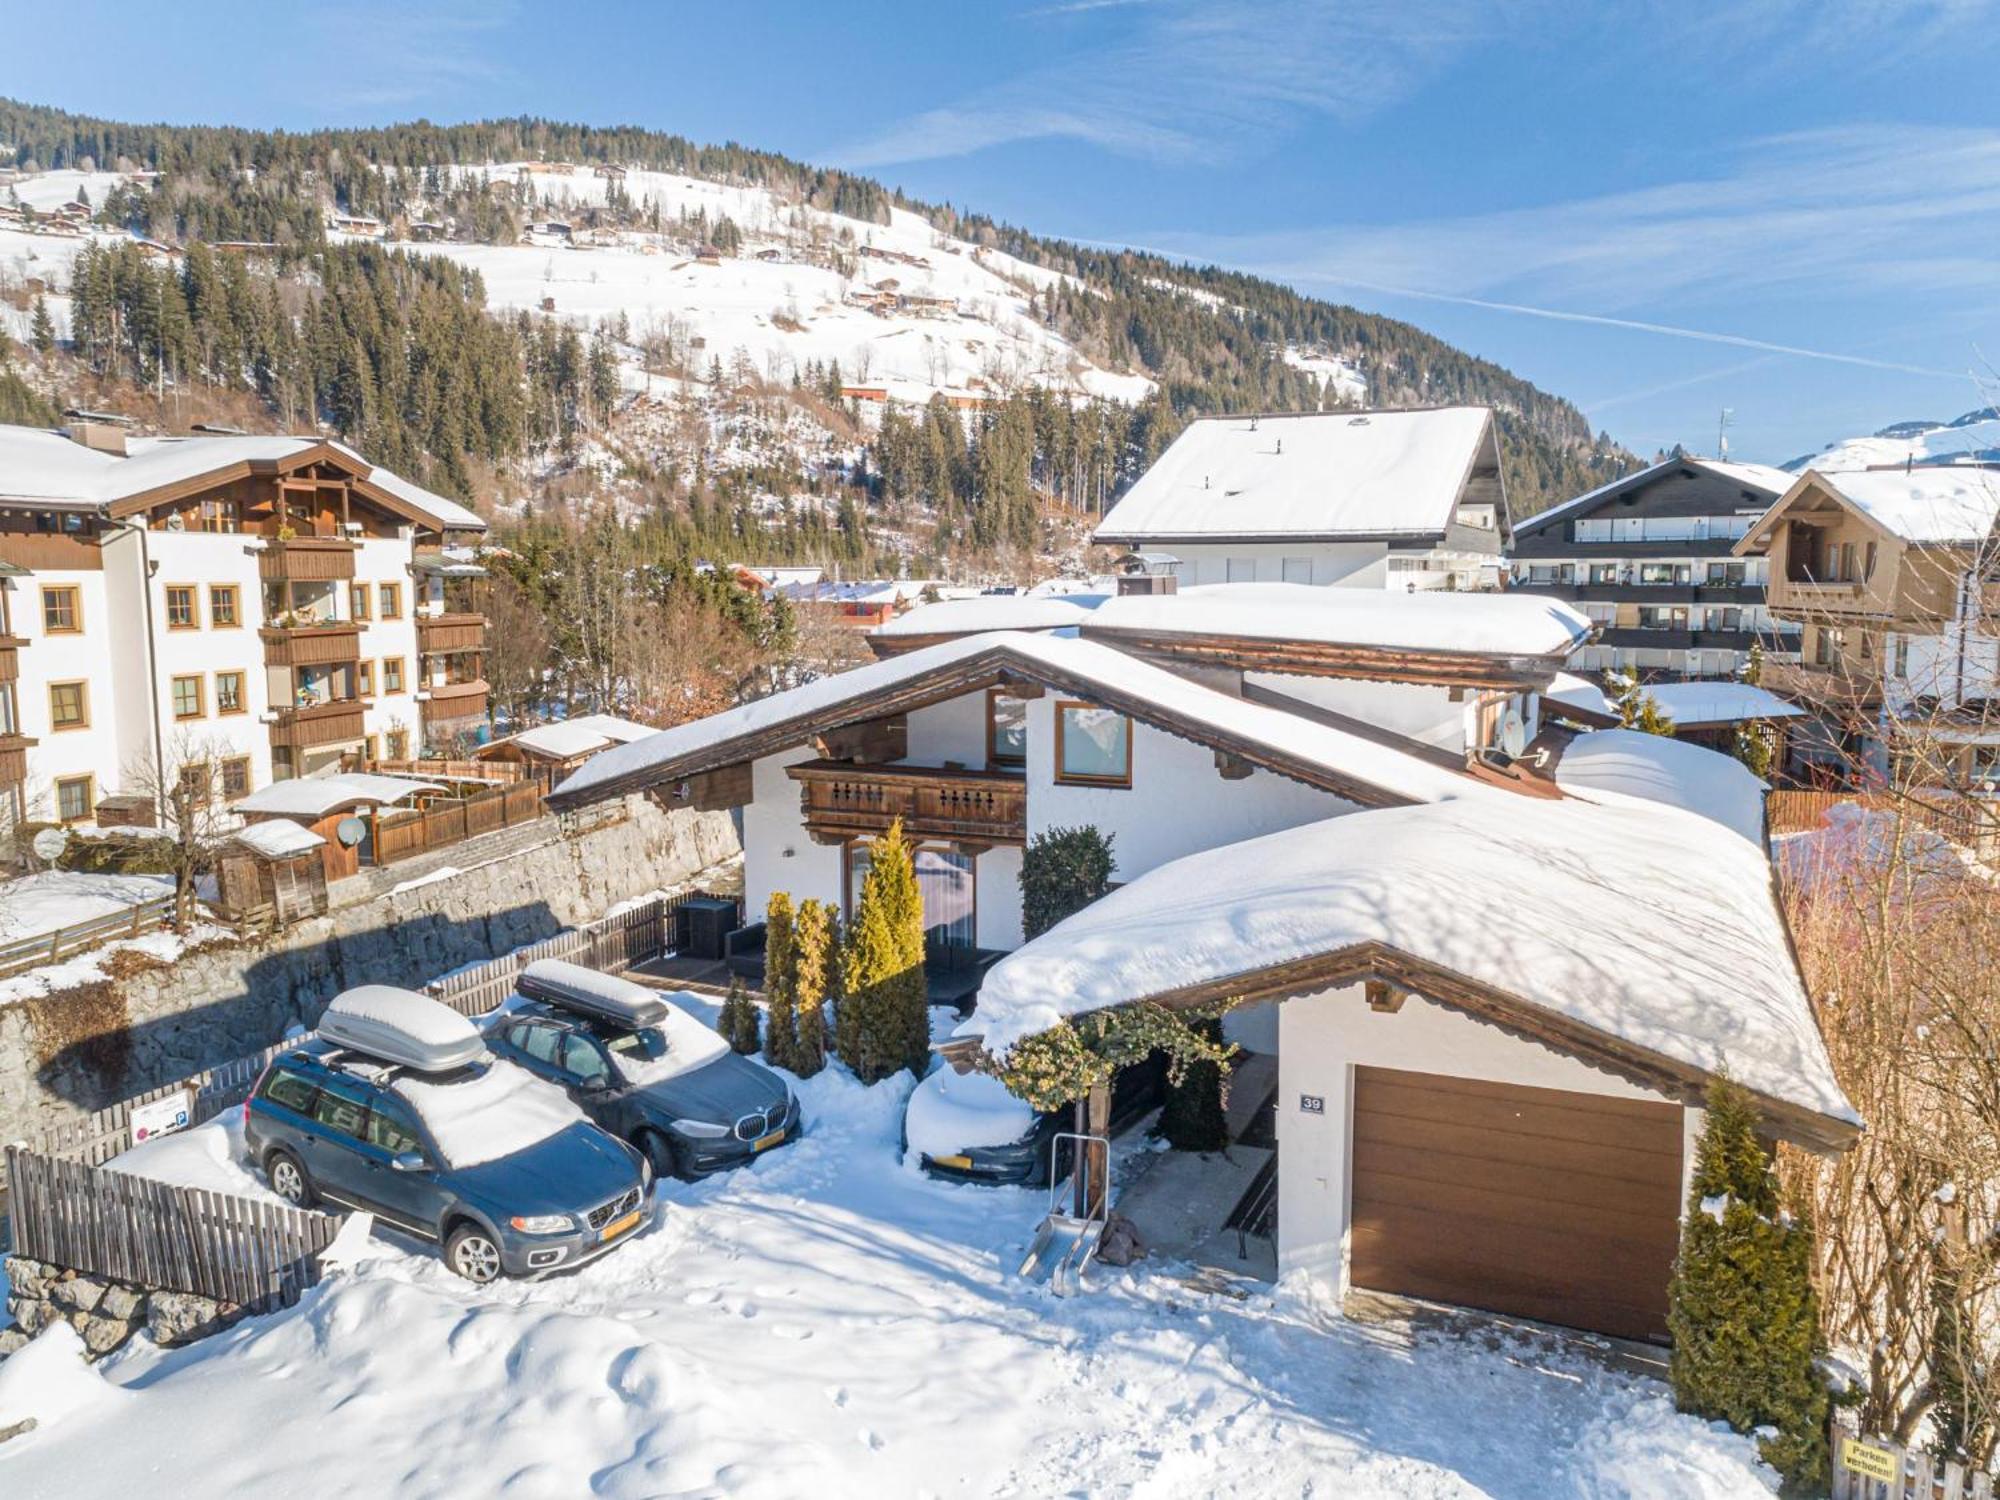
262,1073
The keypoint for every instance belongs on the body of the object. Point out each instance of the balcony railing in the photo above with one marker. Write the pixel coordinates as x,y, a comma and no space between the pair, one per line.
306,559
441,634
1832,687
1814,596
840,800
453,702
10,657
311,645
14,758
313,724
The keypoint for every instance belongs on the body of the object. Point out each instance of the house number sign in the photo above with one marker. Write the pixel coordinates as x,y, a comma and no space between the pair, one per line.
1312,1104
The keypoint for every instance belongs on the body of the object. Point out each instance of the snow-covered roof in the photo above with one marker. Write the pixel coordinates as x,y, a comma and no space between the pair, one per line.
1651,927
1510,625
569,738
316,796
1330,475
1770,482
1686,703
993,612
48,467
1938,505
1304,749
1657,769
277,837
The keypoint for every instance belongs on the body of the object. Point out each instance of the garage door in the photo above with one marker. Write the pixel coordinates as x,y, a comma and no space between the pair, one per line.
1538,1202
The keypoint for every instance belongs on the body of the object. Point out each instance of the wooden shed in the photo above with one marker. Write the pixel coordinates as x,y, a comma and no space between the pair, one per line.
275,868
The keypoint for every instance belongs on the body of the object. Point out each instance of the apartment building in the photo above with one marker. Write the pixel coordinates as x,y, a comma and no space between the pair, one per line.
1890,575
1651,559
256,606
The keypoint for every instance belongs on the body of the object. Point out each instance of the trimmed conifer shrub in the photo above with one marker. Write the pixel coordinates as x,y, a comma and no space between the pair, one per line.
884,1022
1063,870
1743,1315
814,937
780,981
1194,1117
738,1021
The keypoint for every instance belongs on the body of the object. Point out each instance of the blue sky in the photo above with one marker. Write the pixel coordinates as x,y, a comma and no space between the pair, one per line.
1657,208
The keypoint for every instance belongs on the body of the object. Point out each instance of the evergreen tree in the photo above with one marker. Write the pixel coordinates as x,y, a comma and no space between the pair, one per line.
1063,870
1743,1315
884,1017
1194,1118
815,942
1637,708
738,1021
42,329
780,982
1753,665
1753,748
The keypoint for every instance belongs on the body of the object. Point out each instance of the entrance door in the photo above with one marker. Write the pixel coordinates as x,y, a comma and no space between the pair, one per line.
1552,1205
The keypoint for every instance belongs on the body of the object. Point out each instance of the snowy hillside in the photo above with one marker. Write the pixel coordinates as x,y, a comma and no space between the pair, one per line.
1974,436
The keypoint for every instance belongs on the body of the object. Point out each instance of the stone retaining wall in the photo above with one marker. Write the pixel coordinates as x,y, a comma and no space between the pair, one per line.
106,1314
86,1047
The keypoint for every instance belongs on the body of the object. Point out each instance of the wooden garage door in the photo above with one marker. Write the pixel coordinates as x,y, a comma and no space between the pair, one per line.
1538,1202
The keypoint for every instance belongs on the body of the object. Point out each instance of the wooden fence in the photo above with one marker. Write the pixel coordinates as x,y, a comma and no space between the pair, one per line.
453,770
51,947
453,821
108,1223
1868,1469
1960,819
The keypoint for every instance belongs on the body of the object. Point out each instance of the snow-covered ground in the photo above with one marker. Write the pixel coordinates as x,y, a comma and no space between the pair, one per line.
828,1321
1975,435
63,898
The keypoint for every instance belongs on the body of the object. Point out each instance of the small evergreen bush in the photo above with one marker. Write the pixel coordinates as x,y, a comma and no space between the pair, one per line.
780,981
815,941
1194,1118
884,1019
1062,871
738,1021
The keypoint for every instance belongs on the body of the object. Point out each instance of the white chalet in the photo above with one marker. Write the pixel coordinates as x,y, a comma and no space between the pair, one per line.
1368,499
1496,995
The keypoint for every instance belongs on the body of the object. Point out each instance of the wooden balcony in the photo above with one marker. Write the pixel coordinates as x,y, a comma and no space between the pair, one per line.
1795,600
311,645
1821,687
14,758
321,724
841,801
443,634
10,657
306,559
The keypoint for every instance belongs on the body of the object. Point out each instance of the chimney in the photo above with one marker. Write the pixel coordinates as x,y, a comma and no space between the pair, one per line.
101,437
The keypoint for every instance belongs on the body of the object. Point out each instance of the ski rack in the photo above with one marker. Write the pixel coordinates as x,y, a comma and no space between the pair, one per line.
1067,1242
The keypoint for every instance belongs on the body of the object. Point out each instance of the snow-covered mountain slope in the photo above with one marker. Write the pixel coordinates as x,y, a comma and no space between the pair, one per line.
1974,436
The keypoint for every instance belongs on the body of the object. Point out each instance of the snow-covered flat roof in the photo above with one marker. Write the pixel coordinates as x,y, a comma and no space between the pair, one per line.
316,796
1657,769
1686,703
1510,625
1638,923
987,612
579,736
277,838
1150,693
1938,505
1326,475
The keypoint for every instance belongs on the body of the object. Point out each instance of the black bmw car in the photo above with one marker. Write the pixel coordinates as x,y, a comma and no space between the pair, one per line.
644,1069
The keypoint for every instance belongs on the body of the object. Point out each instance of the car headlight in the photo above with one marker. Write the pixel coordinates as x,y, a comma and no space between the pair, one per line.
543,1223
701,1129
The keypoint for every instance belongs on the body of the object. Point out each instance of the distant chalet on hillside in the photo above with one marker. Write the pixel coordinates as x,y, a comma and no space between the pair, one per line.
1397,499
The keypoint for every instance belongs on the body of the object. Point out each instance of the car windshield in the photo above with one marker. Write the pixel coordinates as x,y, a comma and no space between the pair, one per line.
636,1052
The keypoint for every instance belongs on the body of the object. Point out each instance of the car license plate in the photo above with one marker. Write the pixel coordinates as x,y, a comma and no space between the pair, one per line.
617,1227
767,1141
961,1162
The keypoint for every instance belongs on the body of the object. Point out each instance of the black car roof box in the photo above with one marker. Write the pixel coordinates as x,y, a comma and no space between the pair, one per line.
602,997
402,1026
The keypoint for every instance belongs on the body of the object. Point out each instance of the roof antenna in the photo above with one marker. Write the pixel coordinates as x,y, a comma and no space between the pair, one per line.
1722,432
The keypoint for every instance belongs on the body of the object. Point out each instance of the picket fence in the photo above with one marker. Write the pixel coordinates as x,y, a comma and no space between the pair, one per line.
1872,1469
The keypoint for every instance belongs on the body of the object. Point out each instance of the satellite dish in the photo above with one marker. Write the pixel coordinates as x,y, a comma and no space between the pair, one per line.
1513,735
50,843
350,831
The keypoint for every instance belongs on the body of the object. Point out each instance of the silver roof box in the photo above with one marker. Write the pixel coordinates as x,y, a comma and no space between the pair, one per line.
602,997
402,1026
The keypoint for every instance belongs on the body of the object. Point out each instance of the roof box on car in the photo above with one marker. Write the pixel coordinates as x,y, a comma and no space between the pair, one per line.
602,997
401,1026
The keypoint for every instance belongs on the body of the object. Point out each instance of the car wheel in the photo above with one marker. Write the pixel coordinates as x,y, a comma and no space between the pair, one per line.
659,1153
473,1254
288,1179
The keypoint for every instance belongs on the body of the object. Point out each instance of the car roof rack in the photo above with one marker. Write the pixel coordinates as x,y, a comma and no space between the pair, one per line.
587,992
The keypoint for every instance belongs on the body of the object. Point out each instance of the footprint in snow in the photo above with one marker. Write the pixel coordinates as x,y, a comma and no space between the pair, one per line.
703,1296
872,1440
796,1332
837,1394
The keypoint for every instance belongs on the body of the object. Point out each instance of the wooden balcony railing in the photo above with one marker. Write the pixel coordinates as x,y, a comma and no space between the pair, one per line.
14,758
842,801
319,724
1829,687
454,702
311,645
441,634
306,559
10,657
1791,597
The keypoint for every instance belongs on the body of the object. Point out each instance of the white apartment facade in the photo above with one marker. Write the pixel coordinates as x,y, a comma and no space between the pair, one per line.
251,607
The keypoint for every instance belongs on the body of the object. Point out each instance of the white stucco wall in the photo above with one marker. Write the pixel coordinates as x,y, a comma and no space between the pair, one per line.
88,657
378,561
202,559
1350,564
1323,1038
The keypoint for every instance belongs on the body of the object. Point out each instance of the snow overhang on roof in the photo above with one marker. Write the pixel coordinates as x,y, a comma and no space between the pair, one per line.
317,796
1345,764
1637,937
928,624
1655,768
1935,507
1701,704
1316,476
1461,640
277,838
569,738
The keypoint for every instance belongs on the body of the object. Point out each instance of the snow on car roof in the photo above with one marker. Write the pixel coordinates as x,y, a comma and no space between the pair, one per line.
1639,922
1937,505
1657,769
1316,474
1698,702
951,1111
1082,666
488,1114
316,796
1488,624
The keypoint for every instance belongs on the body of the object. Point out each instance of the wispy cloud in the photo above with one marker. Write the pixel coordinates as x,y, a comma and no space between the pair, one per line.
414,56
